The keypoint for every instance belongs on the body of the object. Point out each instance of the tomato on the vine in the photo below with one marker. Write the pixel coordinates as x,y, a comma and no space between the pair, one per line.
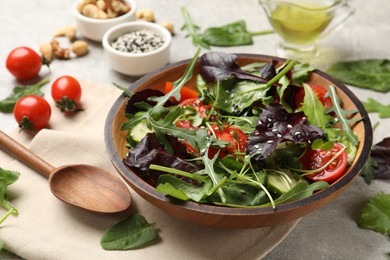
24,63
235,136
320,93
32,112
66,92
185,92
316,159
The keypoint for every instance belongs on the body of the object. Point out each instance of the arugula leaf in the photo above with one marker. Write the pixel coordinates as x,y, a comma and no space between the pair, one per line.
132,233
314,109
376,214
7,104
372,73
374,106
341,115
192,30
204,142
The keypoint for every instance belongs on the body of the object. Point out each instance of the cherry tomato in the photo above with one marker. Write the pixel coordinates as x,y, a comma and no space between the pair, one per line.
66,92
231,134
320,93
315,159
24,63
32,112
198,105
185,92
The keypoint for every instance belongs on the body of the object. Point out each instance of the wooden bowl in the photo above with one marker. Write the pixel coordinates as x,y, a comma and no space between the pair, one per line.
225,217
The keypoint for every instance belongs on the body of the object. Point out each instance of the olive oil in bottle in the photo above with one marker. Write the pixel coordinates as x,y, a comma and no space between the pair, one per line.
299,24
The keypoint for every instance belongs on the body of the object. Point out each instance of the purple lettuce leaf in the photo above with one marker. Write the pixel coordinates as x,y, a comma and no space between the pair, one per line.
219,66
381,154
150,151
276,125
141,96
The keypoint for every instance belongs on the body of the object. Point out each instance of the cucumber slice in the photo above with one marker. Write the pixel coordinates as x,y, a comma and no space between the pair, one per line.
279,184
139,131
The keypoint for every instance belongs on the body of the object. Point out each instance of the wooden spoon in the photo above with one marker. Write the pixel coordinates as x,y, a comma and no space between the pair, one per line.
83,186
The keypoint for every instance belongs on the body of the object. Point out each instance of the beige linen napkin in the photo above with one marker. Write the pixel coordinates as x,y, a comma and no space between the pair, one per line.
47,228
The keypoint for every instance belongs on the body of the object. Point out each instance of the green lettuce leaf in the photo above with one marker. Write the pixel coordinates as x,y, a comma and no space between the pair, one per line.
376,214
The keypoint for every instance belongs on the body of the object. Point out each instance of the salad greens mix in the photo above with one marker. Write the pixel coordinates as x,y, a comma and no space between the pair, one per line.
249,136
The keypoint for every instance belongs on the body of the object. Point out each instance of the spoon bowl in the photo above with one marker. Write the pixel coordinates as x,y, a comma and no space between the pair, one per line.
84,186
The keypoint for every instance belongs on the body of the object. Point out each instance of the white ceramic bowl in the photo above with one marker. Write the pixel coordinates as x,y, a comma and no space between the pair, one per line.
136,64
94,29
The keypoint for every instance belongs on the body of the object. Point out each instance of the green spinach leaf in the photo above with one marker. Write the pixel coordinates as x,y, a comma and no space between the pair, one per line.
376,214
132,233
232,34
374,106
372,74
7,177
7,104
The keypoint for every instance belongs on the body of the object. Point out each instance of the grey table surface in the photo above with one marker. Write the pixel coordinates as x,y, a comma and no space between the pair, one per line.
329,233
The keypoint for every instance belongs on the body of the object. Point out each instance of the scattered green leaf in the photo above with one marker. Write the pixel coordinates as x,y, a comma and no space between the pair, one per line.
232,34
371,74
7,178
7,104
132,233
374,106
376,214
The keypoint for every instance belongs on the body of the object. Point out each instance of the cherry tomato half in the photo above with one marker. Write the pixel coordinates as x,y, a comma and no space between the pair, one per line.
315,159
24,63
198,105
231,134
320,93
32,112
66,92
185,92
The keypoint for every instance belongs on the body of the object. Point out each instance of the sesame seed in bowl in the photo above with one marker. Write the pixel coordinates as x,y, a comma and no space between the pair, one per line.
141,41
137,48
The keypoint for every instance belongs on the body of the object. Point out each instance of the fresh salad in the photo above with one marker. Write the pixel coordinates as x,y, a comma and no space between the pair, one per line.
247,136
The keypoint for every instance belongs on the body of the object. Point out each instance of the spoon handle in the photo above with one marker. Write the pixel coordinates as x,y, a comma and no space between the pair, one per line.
23,154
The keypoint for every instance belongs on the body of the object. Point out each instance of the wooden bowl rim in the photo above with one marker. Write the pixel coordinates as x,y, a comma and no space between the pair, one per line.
218,210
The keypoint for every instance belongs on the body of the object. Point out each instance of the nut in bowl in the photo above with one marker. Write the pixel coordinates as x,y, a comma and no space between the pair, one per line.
94,18
137,48
245,168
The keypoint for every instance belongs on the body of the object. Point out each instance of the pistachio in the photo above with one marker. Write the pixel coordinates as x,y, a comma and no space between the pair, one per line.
91,11
54,45
119,7
101,4
83,3
140,14
169,26
102,15
46,51
67,31
148,15
63,54
80,48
